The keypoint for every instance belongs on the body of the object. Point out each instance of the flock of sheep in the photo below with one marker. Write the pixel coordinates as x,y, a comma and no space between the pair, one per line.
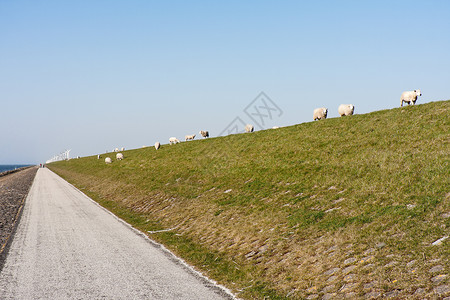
172,141
409,97
343,110
320,113
119,156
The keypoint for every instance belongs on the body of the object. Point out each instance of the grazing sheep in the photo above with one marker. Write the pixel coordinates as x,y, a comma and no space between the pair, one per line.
189,137
116,150
410,96
119,156
157,145
249,128
346,109
108,160
123,149
173,140
320,113
275,127
98,156
204,134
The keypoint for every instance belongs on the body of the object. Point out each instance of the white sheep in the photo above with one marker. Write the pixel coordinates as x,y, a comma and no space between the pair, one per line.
189,137
122,149
119,156
173,140
320,113
98,156
116,150
157,145
275,127
346,109
108,160
204,134
410,96
249,128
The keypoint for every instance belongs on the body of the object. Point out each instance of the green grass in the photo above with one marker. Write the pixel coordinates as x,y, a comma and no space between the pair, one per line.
257,212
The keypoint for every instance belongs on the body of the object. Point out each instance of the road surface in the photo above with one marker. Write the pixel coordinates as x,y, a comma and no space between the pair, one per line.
68,247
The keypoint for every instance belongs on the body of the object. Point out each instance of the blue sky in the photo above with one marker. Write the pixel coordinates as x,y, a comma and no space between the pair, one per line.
94,75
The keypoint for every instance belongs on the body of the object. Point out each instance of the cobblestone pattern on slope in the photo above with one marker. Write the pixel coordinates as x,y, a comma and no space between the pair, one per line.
436,288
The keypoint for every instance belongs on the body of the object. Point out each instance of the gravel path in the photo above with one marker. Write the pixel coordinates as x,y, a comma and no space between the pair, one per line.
14,188
68,247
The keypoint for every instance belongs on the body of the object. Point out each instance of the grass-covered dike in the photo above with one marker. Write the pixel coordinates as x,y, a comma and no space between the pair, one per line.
345,207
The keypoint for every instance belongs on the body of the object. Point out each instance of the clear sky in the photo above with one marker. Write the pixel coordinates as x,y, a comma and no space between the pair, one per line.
94,75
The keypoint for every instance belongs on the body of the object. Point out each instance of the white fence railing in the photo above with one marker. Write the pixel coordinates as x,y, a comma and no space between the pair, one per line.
65,155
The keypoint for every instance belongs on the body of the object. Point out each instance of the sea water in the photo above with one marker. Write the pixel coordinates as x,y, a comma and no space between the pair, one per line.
4,168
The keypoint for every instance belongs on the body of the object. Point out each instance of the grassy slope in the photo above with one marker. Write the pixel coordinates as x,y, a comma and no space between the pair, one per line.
273,213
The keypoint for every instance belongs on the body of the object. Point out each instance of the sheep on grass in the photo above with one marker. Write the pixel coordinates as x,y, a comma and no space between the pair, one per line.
204,134
320,113
346,109
173,140
189,137
410,97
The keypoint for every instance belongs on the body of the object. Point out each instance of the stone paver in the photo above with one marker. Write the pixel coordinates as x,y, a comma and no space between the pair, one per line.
349,287
442,289
328,288
332,278
392,294
411,263
380,245
348,269
349,261
372,295
332,271
351,295
391,264
350,277
366,259
439,278
333,248
437,268
369,266
369,251
370,284
328,296
420,291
